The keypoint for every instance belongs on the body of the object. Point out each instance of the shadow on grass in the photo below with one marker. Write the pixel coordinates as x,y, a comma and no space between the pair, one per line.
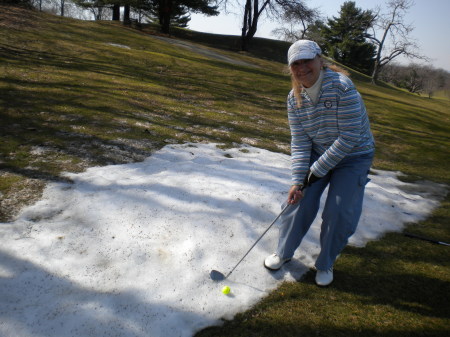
54,113
390,288
300,328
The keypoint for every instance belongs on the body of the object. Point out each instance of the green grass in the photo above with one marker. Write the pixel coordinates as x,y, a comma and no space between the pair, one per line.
70,99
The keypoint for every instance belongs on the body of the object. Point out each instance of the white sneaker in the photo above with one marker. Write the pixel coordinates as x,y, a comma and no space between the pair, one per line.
324,277
274,262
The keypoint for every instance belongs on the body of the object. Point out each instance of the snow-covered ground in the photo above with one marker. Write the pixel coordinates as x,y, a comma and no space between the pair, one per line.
126,250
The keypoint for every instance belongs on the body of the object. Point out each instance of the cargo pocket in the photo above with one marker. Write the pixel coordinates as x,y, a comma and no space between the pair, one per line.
363,180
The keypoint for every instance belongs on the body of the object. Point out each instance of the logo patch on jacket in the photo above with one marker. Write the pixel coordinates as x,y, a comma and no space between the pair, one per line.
327,104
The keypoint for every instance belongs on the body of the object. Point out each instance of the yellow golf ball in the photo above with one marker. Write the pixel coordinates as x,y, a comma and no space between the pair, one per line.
226,290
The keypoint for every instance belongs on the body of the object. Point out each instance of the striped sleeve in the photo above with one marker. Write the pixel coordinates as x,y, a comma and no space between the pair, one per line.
301,145
349,119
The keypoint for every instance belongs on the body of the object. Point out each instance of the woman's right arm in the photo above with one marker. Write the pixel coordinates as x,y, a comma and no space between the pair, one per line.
295,194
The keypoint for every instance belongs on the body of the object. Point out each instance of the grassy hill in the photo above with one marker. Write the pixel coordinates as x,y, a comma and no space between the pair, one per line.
76,94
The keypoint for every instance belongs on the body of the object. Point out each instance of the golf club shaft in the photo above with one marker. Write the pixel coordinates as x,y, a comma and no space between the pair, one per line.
426,239
237,264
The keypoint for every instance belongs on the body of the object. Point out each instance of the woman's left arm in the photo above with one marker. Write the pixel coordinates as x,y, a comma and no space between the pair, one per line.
349,116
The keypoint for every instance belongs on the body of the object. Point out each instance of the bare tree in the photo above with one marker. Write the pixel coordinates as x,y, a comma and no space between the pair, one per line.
297,14
37,3
397,33
434,80
62,4
96,7
254,9
414,81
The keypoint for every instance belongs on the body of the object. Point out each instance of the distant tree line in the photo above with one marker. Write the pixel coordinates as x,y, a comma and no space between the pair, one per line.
418,79
164,12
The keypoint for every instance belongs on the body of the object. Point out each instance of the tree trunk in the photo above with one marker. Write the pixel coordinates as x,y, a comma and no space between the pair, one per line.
376,71
116,13
250,24
126,14
165,12
247,18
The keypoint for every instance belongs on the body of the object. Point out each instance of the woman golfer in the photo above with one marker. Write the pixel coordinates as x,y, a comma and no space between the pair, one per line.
331,145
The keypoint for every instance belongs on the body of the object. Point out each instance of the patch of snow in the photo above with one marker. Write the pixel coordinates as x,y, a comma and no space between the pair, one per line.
118,45
126,250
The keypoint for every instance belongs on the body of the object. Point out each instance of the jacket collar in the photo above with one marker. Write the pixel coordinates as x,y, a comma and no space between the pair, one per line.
327,83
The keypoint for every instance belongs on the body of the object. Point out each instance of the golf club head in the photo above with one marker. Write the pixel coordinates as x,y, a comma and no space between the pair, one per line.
216,275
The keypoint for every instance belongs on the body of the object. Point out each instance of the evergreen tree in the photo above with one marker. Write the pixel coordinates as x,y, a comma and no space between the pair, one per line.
345,38
177,12
167,13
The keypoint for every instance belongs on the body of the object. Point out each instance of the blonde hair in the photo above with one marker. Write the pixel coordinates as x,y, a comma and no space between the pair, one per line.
298,88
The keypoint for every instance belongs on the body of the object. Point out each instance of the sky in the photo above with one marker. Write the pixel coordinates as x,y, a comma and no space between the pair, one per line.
126,250
429,17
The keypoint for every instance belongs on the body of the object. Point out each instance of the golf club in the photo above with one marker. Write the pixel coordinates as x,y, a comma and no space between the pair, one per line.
426,239
218,276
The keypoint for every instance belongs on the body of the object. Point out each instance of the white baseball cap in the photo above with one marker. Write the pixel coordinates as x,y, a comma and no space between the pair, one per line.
303,49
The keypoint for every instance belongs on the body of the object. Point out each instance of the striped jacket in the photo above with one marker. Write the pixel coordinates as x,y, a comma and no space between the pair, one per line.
338,126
